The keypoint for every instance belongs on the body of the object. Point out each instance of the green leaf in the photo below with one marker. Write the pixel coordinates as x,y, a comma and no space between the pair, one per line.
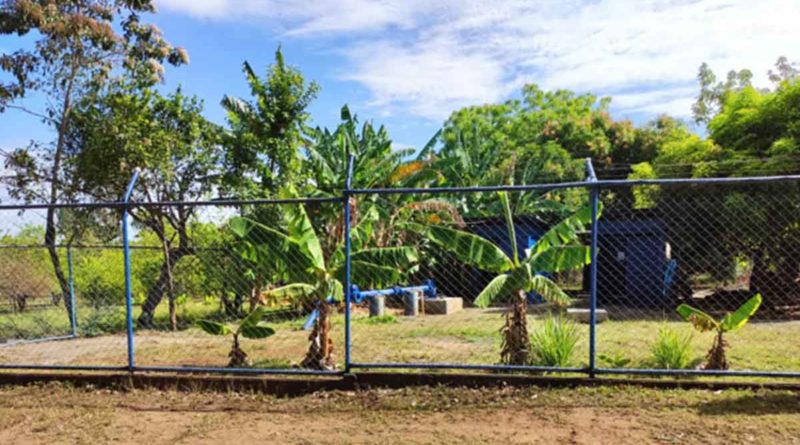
549,290
699,319
256,331
491,292
561,258
295,291
253,318
401,257
566,231
500,288
736,320
467,247
239,226
512,233
302,231
213,328
368,275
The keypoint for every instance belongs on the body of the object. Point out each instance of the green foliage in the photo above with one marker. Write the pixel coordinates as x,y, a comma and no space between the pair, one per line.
731,322
382,319
262,146
556,251
250,327
553,343
671,350
617,360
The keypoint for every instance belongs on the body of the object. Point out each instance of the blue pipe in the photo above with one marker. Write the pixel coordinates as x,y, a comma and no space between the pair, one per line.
127,257
429,289
595,200
73,317
347,263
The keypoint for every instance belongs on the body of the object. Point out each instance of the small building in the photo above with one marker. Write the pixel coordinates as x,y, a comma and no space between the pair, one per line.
633,259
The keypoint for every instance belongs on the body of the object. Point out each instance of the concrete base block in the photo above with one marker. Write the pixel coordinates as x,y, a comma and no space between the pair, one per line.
377,306
443,305
582,315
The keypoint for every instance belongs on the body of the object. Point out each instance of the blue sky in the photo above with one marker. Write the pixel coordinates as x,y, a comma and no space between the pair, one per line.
409,63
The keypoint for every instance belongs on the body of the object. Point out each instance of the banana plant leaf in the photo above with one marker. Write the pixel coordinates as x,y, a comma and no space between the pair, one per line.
559,259
213,328
467,247
734,321
699,319
256,331
402,257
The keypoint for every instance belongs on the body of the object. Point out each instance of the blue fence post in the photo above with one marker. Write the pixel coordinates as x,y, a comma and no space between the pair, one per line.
595,202
73,314
348,285
126,250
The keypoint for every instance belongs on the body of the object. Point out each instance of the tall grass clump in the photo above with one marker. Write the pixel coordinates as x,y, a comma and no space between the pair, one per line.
553,343
671,350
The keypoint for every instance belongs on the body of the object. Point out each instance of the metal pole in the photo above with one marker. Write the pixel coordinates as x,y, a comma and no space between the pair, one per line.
127,256
347,278
73,317
595,201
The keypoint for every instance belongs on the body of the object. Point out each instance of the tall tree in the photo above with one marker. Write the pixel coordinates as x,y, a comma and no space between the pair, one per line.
178,152
79,45
266,134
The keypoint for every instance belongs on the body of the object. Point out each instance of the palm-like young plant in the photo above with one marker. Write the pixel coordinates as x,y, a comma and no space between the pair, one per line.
251,327
316,278
558,250
731,322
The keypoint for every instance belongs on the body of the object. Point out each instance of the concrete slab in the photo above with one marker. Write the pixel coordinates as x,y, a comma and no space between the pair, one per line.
443,305
582,315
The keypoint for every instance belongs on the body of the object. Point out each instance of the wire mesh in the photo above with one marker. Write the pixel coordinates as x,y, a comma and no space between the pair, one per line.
712,247
462,243
198,271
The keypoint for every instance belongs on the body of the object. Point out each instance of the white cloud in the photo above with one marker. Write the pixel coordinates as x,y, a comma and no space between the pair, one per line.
427,59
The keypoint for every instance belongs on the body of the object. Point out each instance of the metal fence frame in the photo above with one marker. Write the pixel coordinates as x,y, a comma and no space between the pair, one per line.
592,183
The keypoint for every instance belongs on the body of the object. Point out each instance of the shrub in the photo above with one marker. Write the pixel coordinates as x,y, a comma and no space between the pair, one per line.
671,350
382,319
554,342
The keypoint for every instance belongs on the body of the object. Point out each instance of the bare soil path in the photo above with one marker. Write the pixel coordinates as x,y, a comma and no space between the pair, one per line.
57,413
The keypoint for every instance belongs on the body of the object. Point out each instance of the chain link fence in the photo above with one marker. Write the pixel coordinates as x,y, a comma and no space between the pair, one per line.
491,278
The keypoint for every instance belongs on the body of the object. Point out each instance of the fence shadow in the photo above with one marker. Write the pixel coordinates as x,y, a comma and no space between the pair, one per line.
754,405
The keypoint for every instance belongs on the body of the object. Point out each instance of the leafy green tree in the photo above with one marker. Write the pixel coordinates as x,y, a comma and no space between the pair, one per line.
79,45
251,327
731,322
376,163
265,136
558,250
178,152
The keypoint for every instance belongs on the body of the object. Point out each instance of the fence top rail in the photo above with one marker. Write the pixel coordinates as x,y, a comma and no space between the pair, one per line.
600,183
134,204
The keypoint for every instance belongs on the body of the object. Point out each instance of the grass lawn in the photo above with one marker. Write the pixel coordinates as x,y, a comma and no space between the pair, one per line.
57,413
470,336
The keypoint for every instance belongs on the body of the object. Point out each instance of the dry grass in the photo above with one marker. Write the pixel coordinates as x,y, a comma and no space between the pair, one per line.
470,336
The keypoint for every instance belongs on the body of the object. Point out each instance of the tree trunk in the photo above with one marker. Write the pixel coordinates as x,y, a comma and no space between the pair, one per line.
156,291
50,224
516,346
173,317
320,351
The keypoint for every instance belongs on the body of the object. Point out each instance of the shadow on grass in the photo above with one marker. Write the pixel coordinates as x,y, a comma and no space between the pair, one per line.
754,405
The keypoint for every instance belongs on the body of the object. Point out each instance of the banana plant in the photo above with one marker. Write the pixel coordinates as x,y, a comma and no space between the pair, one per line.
251,327
558,250
731,322
314,279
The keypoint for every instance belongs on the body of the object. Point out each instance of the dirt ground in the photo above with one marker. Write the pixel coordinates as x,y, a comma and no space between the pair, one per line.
57,413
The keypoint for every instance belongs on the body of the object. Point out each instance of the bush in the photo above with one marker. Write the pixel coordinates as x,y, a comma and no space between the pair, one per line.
554,342
671,350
